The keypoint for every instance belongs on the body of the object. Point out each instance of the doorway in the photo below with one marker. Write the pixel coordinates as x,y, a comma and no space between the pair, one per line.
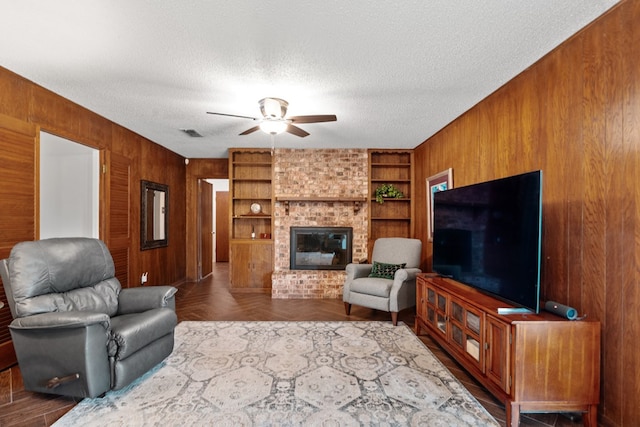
69,188
221,242
213,224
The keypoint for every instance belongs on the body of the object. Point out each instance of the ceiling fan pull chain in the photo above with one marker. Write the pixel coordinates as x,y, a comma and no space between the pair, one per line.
273,143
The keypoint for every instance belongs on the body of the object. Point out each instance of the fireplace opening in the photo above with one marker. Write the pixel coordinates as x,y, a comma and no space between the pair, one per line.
320,248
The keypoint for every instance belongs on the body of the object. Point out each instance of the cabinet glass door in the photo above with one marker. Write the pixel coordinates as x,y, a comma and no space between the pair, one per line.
457,312
441,312
466,330
473,334
456,335
457,322
436,308
441,323
473,330
436,314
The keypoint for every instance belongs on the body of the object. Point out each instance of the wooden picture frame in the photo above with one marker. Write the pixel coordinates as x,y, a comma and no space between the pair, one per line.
154,215
438,182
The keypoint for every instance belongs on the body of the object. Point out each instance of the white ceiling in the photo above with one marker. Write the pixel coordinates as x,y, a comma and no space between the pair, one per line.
394,72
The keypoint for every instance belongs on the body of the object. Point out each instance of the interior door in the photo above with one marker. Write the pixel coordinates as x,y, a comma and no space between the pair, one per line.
222,226
205,226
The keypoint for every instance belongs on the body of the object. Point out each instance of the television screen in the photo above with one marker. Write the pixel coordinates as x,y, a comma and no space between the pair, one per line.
488,236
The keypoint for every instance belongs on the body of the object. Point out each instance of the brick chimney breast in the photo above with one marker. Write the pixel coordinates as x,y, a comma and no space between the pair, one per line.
330,173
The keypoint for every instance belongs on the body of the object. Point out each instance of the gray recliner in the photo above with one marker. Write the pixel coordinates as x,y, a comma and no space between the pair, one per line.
76,332
389,282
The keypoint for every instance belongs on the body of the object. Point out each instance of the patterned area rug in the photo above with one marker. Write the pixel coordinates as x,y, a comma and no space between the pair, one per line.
290,374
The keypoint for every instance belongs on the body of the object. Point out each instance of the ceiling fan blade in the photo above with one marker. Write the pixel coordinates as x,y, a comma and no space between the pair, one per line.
251,130
232,115
313,119
295,130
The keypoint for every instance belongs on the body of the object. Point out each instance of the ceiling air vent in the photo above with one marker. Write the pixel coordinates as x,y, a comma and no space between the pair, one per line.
192,133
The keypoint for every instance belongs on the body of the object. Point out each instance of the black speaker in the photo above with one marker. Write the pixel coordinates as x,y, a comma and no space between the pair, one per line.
561,310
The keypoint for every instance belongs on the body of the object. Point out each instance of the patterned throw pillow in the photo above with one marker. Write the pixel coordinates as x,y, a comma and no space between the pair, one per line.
385,271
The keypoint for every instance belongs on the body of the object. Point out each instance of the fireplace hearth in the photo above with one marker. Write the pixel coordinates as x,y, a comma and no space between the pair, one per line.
320,248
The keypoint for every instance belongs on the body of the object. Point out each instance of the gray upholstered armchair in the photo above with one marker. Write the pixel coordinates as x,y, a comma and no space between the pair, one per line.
389,283
75,331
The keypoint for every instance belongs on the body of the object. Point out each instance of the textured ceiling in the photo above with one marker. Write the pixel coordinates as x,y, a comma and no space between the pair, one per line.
394,72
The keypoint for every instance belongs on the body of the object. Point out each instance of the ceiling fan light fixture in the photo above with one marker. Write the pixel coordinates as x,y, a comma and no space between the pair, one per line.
273,107
273,127
274,119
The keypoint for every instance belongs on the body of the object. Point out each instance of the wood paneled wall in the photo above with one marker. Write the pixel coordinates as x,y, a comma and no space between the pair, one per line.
25,102
575,114
18,203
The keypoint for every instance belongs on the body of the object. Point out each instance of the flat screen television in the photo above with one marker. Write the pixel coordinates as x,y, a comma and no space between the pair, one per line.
488,236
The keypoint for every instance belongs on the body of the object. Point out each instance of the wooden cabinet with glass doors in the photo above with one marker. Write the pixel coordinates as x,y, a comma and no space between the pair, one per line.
533,362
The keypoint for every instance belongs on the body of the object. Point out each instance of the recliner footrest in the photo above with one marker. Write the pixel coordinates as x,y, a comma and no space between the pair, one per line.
131,332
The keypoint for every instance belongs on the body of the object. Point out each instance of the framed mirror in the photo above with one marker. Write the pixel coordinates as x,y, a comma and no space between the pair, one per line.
154,215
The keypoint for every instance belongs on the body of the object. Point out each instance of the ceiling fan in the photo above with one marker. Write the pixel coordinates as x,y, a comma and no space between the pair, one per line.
273,120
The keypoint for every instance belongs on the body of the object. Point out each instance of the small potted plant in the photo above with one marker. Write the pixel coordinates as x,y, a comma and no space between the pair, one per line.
387,191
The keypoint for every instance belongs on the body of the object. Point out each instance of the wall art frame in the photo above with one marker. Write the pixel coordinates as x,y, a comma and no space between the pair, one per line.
435,183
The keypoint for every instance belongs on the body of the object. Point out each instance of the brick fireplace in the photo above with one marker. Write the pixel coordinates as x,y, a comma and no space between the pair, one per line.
317,174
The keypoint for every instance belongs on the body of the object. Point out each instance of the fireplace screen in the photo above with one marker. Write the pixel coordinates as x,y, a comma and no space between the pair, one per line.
320,248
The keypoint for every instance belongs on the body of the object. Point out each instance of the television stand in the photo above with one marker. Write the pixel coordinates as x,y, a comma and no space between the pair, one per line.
530,362
513,310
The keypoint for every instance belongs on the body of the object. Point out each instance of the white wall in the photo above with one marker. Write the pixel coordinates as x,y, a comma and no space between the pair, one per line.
69,188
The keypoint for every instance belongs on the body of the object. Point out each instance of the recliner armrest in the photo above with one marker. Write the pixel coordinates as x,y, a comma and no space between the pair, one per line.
61,320
403,290
136,300
355,271
404,274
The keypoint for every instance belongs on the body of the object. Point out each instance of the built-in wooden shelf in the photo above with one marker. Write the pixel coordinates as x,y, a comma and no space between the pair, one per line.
286,200
394,217
250,181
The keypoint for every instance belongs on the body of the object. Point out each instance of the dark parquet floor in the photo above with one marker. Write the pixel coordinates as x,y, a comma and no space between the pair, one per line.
211,300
